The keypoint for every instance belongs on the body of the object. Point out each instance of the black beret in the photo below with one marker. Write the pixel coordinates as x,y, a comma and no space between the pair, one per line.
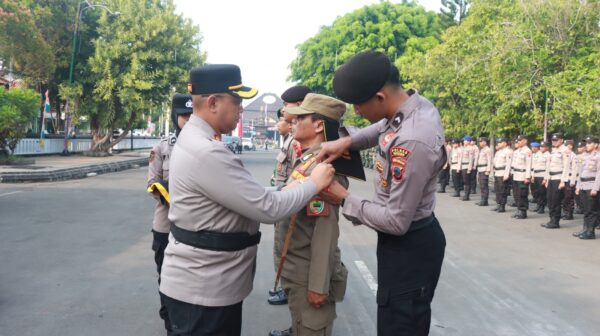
359,79
295,94
581,143
500,140
521,137
557,136
219,78
544,144
592,139
484,139
181,103
569,142
456,141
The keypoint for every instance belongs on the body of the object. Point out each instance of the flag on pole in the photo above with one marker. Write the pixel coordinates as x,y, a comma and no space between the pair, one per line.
46,110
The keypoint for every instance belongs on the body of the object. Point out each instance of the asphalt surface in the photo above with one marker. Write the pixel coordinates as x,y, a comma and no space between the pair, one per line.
76,260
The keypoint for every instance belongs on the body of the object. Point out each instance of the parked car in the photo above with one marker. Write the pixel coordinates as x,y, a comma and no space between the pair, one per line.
248,144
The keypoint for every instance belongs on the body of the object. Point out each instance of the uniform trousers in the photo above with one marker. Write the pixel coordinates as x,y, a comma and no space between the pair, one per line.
473,180
538,191
194,320
409,269
484,185
306,319
457,179
591,209
444,177
500,187
555,197
159,244
568,203
466,178
521,195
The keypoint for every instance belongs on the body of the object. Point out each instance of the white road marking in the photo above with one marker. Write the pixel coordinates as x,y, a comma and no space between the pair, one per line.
366,274
11,193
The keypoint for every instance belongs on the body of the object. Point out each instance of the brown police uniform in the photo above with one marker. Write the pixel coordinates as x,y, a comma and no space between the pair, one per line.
456,169
557,171
484,169
521,172
502,164
467,166
588,181
538,171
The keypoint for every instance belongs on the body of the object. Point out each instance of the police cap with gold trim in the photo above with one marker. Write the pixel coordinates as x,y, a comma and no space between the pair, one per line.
219,78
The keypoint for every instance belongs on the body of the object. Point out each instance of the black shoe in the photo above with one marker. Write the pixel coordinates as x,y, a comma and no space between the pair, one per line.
466,198
483,202
274,292
567,217
286,332
579,211
441,191
513,205
578,233
521,214
587,235
540,210
456,194
552,224
496,208
501,208
278,299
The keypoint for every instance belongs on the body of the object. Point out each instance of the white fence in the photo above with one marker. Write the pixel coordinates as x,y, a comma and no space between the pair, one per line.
53,146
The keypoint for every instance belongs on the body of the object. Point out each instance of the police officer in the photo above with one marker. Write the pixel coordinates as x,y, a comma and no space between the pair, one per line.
576,167
557,176
484,169
408,132
313,275
474,175
538,167
502,164
293,96
521,175
158,181
467,165
568,203
455,166
216,208
588,185
444,176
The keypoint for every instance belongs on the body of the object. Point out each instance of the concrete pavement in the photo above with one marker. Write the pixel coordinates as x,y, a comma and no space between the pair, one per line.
76,260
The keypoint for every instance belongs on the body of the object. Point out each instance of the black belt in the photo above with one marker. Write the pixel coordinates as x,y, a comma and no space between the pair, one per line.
484,165
454,162
500,168
554,173
215,241
539,170
587,179
519,170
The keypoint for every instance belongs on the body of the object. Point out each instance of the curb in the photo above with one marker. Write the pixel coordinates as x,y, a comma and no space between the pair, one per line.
72,173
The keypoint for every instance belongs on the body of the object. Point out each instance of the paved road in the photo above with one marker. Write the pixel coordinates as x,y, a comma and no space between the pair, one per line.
76,260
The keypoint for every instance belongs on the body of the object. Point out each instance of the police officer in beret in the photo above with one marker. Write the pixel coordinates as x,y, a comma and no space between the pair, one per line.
210,260
158,179
588,186
557,176
484,169
521,175
455,156
502,164
576,167
408,132
293,96
568,203
538,170
467,162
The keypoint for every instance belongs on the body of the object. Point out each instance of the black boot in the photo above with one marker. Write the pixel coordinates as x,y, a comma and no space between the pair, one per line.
466,197
541,209
483,202
495,208
579,233
501,208
578,211
568,216
521,214
442,190
552,224
456,193
588,235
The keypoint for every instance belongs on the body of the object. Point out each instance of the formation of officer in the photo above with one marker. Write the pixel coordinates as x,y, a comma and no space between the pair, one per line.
467,164
293,96
548,173
210,260
158,187
407,130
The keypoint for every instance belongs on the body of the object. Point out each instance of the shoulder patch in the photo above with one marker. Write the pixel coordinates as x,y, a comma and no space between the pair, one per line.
399,152
386,138
317,208
398,167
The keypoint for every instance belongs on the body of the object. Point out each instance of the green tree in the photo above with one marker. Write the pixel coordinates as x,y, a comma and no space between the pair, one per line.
140,58
492,73
453,11
17,107
386,27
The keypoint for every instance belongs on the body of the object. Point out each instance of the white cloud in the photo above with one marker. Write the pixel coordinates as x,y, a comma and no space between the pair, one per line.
261,35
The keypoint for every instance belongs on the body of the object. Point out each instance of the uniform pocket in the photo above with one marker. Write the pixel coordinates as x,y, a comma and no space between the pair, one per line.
339,283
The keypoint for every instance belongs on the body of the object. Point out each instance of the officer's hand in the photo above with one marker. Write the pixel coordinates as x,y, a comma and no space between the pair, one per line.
334,194
315,299
487,173
332,150
594,193
527,181
577,191
322,175
505,179
561,185
545,183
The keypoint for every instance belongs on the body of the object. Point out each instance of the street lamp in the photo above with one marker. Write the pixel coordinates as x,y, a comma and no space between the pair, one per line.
81,8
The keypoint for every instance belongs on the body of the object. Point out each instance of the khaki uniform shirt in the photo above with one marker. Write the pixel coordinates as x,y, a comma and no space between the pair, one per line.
410,154
455,158
474,156
285,160
576,162
521,164
589,173
313,256
538,163
502,162
211,190
557,166
158,171
467,159
484,160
